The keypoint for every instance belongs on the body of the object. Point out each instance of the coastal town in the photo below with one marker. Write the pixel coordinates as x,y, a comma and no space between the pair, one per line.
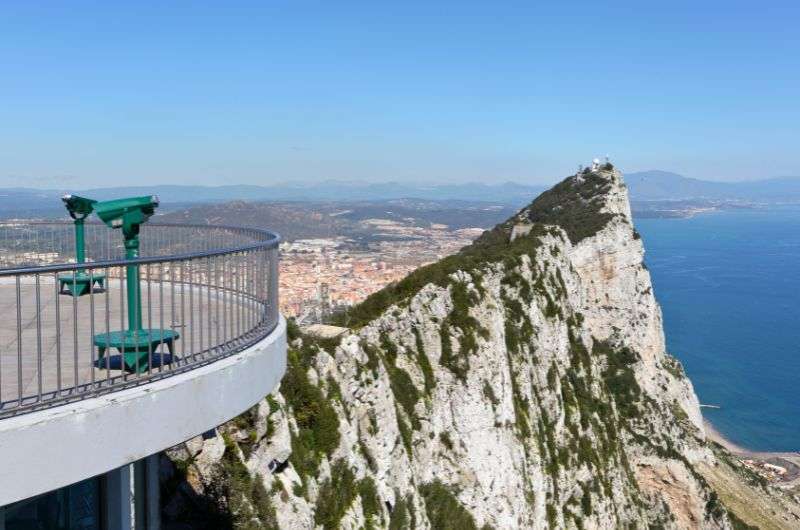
320,276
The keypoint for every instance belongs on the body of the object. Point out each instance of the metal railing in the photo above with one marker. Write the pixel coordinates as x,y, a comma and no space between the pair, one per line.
66,332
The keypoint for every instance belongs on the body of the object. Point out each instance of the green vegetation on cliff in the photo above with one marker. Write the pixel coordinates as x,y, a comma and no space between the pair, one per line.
492,247
242,501
317,421
335,496
574,204
443,509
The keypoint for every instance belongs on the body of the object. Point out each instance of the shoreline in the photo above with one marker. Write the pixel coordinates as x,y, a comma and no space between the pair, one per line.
712,434
757,461
715,436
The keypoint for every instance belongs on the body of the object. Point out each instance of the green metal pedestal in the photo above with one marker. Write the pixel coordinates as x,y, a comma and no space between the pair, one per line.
78,284
134,346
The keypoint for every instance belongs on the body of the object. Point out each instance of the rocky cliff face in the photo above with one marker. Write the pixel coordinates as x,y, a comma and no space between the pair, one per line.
522,383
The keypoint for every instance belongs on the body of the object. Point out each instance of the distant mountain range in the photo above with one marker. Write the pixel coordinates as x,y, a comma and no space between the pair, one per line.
644,186
663,185
324,191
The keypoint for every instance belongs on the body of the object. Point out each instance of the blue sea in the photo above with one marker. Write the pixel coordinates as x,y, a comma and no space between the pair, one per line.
729,286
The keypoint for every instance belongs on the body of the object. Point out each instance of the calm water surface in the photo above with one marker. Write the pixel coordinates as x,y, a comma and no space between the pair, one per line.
729,286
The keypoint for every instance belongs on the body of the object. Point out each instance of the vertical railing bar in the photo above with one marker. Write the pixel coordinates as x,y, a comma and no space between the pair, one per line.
276,294
247,293
254,304
264,287
183,314
161,316
92,358
58,332
242,298
243,268
122,306
208,299
200,309
172,308
246,297
216,301
224,282
38,338
134,307
75,376
191,309
268,286
238,306
248,271
251,266
107,310
259,290
231,266
149,319
262,278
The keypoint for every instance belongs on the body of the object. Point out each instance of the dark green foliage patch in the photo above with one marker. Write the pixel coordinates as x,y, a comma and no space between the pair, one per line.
575,205
468,327
444,510
317,421
402,517
336,495
243,502
424,364
620,379
370,502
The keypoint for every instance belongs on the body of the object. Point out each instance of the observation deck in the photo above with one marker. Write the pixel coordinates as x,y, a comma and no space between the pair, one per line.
82,391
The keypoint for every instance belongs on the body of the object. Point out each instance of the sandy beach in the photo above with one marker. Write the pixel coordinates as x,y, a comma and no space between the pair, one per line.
715,436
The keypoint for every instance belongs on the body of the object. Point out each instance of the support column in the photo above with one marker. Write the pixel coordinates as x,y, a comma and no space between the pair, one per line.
119,498
152,463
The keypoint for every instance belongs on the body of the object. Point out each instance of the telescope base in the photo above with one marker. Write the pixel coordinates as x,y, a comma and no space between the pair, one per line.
134,346
79,284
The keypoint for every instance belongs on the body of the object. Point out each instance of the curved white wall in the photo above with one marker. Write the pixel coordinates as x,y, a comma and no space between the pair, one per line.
51,448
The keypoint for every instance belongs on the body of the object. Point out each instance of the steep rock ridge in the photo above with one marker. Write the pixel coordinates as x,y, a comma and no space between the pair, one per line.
522,383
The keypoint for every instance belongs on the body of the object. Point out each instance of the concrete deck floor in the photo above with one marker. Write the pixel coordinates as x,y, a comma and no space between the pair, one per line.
67,353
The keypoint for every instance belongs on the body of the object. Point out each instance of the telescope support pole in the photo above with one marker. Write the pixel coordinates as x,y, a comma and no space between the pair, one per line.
133,287
80,248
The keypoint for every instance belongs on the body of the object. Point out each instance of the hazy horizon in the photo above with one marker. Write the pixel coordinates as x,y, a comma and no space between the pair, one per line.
35,185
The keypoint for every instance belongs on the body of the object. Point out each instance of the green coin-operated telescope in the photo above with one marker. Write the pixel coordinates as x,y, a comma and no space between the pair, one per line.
127,214
135,343
79,283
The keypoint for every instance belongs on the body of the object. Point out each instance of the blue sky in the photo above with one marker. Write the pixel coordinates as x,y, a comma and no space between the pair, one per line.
98,93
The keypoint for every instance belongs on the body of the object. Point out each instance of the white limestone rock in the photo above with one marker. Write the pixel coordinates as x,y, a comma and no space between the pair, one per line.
530,434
